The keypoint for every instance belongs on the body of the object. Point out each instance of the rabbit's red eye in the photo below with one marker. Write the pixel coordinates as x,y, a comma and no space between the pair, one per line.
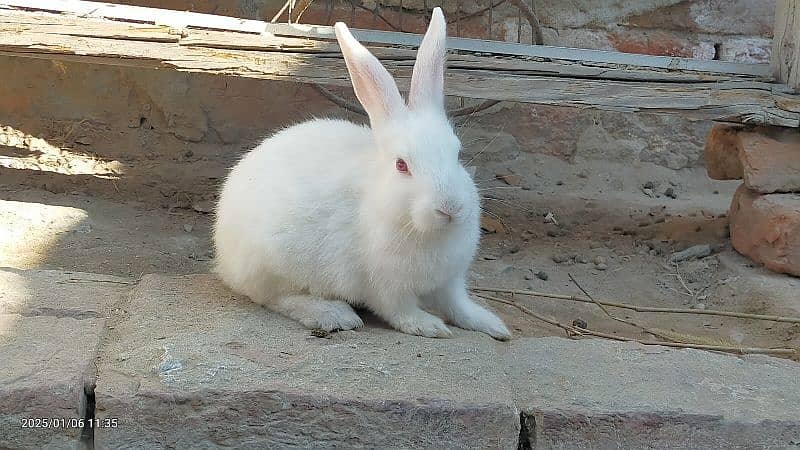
401,166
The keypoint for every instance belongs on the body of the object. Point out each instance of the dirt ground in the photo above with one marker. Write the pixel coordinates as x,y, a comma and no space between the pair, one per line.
82,196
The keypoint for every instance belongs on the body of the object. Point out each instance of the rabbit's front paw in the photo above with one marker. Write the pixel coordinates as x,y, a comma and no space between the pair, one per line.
329,315
422,323
477,318
492,325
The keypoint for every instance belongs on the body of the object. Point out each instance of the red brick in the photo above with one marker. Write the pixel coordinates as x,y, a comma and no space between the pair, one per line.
722,153
766,229
771,160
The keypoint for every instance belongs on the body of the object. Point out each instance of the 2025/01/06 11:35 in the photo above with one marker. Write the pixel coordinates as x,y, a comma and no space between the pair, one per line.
68,422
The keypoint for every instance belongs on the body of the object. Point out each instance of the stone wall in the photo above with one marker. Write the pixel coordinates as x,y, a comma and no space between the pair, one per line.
216,110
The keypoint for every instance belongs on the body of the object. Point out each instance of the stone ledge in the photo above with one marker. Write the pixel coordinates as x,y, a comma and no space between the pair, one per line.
194,365
186,363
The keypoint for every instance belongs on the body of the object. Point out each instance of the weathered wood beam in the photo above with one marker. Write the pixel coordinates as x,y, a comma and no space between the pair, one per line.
184,19
786,43
703,95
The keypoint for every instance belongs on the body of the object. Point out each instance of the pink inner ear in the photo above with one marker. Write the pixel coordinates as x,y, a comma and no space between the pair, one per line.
373,85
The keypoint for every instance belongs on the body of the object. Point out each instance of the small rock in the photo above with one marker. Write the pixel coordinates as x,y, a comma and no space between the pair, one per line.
580,323
601,266
649,185
187,227
583,174
514,249
559,259
510,179
489,257
550,218
582,260
670,192
491,225
83,228
695,252
699,306
542,275
203,206
320,333
599,260
649,192
528,277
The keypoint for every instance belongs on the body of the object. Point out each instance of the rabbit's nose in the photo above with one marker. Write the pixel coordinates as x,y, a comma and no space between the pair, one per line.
448,212
444,214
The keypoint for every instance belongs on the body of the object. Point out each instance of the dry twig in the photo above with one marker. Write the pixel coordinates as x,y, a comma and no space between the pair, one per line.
710,312
576,331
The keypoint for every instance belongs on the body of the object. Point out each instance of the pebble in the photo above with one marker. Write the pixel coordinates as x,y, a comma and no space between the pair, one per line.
699,306
582,260
528,276
187,227
580,323
670,192
599,260
697,251
601,266
559,259
649,185
542,275
648,192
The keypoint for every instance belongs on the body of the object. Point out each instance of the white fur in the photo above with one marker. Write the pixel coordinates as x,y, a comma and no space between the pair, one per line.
317,217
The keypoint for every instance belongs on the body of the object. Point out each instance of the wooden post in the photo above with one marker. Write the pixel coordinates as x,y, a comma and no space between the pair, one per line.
786,43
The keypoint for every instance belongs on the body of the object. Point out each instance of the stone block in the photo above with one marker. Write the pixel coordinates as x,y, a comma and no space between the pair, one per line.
603,394
46,369
192,366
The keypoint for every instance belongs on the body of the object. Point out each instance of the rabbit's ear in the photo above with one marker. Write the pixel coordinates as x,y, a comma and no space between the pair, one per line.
374,86
427,80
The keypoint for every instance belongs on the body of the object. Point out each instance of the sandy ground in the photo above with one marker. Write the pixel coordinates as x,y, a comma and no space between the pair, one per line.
84,197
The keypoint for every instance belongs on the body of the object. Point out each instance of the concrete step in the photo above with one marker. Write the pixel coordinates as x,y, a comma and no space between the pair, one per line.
51,327
184,363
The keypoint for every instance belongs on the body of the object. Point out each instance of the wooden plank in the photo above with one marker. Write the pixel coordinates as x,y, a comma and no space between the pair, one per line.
156,16
532,51
786,43
181,19
701,96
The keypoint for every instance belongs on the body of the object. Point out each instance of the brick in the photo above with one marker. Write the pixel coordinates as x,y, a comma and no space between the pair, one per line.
722,153
771,160
766,229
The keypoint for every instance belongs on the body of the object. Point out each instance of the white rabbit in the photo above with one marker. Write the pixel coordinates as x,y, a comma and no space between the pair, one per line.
328,214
